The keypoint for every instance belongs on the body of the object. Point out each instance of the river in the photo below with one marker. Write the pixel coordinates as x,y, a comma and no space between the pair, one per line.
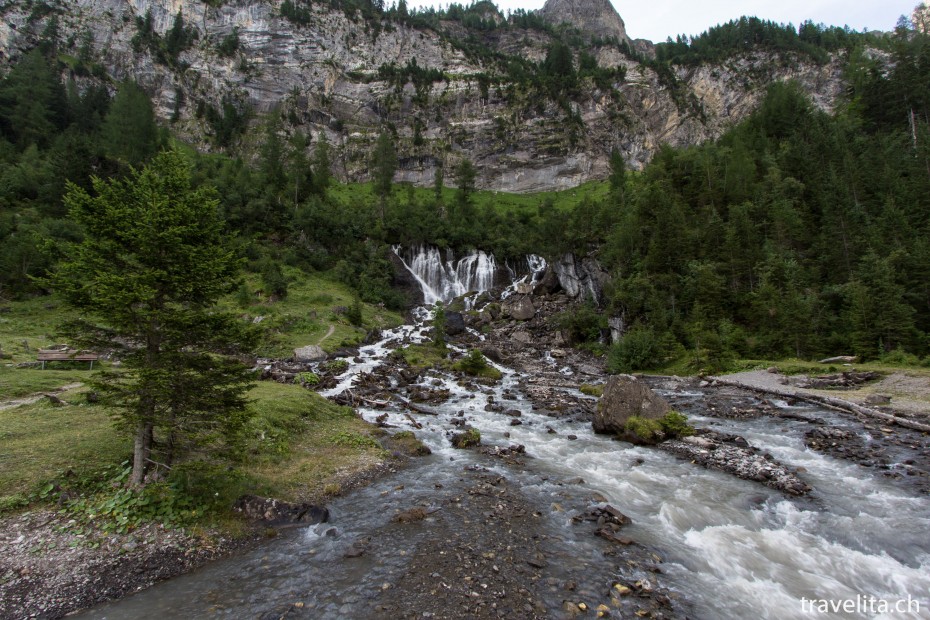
731,548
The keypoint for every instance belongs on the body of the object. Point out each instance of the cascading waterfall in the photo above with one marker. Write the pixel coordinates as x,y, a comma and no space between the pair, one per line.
445,280
536,266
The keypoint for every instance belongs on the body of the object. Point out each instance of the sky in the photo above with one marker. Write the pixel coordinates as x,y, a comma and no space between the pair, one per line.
657,20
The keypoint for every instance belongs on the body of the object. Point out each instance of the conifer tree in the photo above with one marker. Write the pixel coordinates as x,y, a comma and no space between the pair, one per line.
383,164
154,261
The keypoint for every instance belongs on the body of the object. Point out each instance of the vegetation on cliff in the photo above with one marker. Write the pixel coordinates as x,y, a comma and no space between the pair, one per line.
797,233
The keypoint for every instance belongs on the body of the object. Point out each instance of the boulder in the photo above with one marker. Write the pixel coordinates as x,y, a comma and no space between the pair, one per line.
455,323
521,309
549,283
310,353
877,399
581,278
492,353
626,396
278,513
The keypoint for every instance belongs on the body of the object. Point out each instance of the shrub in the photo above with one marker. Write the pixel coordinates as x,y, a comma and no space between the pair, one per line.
899,357
12,503
581,324
439,327
591,390
643,430
244,296
335,367
307,378
471,437
354,312
476,365
675,424
273,280
639,349
230,44
474,362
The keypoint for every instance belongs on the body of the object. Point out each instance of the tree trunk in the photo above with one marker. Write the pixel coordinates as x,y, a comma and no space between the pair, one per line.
142,449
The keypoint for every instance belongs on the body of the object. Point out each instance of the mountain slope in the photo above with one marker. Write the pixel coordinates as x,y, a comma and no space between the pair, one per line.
475,87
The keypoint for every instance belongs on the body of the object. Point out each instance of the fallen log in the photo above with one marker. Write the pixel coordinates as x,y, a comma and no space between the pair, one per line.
415,407
832,403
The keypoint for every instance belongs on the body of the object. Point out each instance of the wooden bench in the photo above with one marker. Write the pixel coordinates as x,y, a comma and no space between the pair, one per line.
66,355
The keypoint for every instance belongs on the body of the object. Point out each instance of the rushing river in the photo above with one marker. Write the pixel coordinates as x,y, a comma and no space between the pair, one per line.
732,548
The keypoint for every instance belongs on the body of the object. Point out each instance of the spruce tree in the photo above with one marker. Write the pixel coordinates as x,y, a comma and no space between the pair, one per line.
384,165
154,261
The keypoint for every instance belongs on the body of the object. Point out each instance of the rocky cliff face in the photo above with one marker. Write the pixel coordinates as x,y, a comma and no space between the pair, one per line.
597,18
323,76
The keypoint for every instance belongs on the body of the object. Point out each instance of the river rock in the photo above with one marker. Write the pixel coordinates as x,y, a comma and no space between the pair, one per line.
877,399
520,309
278,513
310,353
492,353
455,323
725,453
626,396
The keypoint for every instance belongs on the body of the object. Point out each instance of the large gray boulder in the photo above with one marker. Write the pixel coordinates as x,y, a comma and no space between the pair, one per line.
548,284
521,309
455,323
582,278
310,353
626,396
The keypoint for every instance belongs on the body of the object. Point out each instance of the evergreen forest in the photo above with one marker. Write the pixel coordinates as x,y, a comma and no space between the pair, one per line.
798,233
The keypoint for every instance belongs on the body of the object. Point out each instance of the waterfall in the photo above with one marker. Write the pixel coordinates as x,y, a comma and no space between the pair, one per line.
445,280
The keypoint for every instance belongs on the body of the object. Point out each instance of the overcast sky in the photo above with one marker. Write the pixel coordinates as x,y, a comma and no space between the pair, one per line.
656,20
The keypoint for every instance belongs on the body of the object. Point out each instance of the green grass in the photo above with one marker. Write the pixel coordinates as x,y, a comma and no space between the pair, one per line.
31,324
26,326
423,356
794,366
325,444
20,382
298,446
305,316
40,441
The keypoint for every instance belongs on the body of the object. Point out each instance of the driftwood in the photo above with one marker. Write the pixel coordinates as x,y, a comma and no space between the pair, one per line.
413,421
415,407
833,403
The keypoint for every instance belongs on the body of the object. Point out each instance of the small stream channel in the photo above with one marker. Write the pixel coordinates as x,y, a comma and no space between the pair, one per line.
731,548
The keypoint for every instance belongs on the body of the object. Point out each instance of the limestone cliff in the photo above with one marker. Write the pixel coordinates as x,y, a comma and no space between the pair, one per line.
331,73
597,18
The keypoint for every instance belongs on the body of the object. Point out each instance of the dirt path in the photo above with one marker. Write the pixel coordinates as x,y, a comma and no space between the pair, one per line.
28,400
329,333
